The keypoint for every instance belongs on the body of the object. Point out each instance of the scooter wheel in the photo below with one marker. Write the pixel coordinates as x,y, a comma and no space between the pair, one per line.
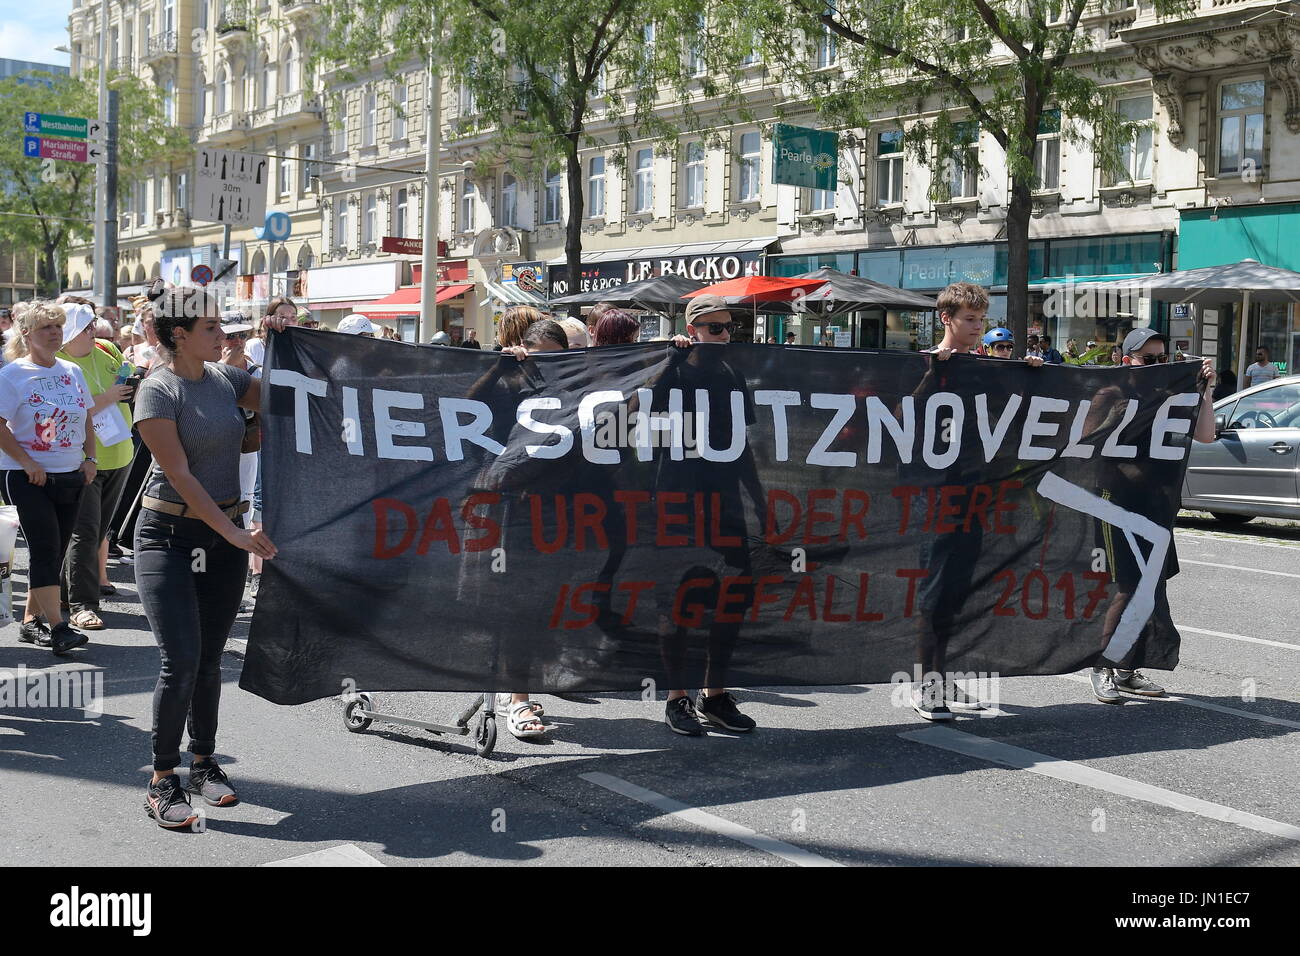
485,735
352,718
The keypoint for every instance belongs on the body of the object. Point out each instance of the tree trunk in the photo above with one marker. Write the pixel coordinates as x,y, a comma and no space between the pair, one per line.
48,279
573,221
1019,211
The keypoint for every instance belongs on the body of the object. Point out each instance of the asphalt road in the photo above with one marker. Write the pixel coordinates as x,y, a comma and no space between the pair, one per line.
835,775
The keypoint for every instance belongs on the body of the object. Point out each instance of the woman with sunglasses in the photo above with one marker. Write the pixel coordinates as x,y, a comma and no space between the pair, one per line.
280,309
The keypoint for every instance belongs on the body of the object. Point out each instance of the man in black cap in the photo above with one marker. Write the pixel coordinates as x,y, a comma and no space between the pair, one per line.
693,369
1142,346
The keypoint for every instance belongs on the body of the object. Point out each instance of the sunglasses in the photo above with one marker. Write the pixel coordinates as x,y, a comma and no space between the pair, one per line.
1001,347
715,328
241,336
1158,359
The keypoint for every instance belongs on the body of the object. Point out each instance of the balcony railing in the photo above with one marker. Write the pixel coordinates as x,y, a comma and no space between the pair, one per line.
234,19
160,45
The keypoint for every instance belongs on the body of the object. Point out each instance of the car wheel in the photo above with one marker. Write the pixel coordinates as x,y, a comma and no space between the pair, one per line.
1229,518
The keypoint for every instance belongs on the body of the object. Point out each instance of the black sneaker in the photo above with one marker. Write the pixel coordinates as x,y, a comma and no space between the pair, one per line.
680,717
209,781
34,632
167,803
722,712
64,637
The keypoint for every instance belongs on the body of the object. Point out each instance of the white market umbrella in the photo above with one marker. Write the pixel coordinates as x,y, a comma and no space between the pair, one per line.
1248,281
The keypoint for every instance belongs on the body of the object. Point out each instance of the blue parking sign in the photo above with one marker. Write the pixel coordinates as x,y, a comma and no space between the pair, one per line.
31,146
32,122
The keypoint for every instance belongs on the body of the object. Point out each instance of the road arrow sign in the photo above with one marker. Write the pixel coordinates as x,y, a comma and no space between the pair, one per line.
52,124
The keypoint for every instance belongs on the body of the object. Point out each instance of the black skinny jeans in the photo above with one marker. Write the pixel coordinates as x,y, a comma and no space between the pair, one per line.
190,581
47,514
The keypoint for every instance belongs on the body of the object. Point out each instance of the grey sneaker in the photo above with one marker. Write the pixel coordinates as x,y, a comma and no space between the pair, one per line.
34,632
209,781
168,805
1134,682
927,701
1103,686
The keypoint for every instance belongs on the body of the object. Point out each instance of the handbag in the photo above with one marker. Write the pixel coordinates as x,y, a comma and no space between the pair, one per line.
252,433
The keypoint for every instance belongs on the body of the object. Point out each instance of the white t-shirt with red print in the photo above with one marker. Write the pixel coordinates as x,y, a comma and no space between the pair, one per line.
47,410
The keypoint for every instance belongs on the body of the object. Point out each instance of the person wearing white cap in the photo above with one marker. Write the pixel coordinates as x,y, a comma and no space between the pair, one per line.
47,454
109,377
356,324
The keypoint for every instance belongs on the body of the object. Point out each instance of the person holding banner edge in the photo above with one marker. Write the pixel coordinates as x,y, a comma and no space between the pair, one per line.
191,547
1142,346
950,558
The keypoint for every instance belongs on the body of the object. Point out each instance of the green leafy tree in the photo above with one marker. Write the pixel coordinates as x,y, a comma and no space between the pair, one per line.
542,73
1003,67
50,208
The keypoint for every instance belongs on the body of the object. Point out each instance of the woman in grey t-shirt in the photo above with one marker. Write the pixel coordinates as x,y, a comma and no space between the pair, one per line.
191,548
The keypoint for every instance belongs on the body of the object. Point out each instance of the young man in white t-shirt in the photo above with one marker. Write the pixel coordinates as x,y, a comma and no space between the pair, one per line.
1263,370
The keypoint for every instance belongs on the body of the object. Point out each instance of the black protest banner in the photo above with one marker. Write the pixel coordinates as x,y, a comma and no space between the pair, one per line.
723,515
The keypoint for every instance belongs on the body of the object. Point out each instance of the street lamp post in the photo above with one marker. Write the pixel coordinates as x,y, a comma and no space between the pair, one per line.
432,148
105,242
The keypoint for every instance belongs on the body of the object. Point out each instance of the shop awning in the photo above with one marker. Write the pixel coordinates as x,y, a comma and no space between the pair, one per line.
511,294
406,301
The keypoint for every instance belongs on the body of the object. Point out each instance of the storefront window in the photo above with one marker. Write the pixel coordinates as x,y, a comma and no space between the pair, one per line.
1276,336
1108,255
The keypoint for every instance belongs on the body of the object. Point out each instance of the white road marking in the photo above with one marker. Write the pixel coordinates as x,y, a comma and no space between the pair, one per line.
1234,567
1238,637
1202,704
1236,540
346,854
708,821
995,751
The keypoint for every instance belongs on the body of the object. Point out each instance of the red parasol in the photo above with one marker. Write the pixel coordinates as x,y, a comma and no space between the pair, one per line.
751,290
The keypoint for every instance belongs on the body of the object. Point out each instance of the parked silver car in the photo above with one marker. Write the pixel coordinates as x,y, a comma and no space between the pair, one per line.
1251,469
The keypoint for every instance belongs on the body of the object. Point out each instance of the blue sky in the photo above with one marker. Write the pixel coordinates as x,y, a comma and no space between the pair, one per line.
31,31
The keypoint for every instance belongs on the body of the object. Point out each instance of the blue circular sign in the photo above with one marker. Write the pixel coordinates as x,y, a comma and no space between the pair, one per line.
201,274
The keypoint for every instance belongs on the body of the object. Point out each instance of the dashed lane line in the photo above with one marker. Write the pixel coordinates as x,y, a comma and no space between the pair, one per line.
1018,758
1234,567
708,821
1238,637
346,854
1201,704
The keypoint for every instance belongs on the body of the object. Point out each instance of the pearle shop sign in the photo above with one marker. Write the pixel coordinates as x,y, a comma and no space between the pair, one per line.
703,268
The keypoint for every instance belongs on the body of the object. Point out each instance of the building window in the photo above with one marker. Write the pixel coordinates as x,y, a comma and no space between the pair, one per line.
552,207
308,163
1135,154
141,202
400,213
159,193
468,197
964,166
182,191
263,82
169,16
827,50
399,110
889,168
821,200
1047,151
341,238
694,179
694,54
286,174
369,118
169,103
748,181
1241,127
751,54
370,220
222,91
596,187
465,101
643,183
341,134
200,98
288,70
509,200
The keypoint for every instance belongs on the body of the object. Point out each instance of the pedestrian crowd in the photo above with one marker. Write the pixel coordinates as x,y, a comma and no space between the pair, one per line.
144,438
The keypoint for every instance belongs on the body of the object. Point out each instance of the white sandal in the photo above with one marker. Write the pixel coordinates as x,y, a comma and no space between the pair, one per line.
504,704
520,716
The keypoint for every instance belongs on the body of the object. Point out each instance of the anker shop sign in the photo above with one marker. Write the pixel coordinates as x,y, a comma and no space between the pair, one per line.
607,275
